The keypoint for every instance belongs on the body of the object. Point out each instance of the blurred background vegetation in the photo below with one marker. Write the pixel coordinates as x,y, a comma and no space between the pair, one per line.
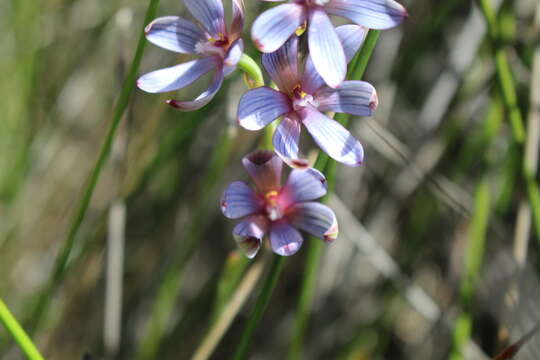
437,256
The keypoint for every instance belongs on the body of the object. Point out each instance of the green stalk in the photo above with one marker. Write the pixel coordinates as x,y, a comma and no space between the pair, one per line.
260,305
356,71
62,258
17,332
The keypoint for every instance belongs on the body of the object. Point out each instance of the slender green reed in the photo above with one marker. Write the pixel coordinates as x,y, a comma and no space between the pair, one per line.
260,305
17,332
356,71
62,258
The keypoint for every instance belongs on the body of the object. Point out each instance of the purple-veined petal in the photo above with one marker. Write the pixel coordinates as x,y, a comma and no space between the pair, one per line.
175,34
325,49
264,167
333,138
249,234
311,80
178,76
258,107
374,14
285,141
233,57
351,37
303,185
239,200
282,65
203,99
351,97
274,26
237,24
315,218
285,240
210,14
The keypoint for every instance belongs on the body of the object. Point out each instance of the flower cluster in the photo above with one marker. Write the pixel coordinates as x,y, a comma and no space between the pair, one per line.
304,88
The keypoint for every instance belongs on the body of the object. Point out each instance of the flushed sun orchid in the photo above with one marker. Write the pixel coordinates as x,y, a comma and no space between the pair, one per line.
219,49
275,210
273,27
302,99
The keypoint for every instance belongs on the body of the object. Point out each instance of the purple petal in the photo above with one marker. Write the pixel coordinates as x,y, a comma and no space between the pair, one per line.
325,49
315,218
282,65
351,97
238,10
239,200
249,234
210,14
285,141
351,37
303,185
311,80
203,99
374,14
264,167
274,26
175,34
176,77
333,138
258,107
285,240
233,57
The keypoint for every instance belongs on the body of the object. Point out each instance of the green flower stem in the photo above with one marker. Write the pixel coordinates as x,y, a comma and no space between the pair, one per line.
504,75
18,334
260,305
250,67
356,71
62,258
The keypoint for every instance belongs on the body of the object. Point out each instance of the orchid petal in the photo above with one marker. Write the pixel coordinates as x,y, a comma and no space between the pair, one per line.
201,100
351,37
315,218
233,57
282,65
209,13
303,185
325,49
239,200
285,141
285,240
274,26
237,24
258,107
249,234
352,97
333,138
176,77
175,34
264,167
374,14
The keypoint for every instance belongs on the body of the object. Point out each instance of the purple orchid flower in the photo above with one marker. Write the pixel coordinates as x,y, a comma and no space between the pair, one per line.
219,49
276,210
273,27
302,99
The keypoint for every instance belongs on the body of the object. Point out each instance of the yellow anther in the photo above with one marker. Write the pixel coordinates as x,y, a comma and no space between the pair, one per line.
301,29
271,197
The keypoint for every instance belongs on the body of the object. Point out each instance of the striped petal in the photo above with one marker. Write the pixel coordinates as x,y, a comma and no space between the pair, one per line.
325,49
264,167
303,185
282,65
351,37
210,14
176,77
249,234
204,98
233,57
258,107
274,26
315,218
333,138
239,200
352,97
285,240
374,14
175,34
285,141
237,24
